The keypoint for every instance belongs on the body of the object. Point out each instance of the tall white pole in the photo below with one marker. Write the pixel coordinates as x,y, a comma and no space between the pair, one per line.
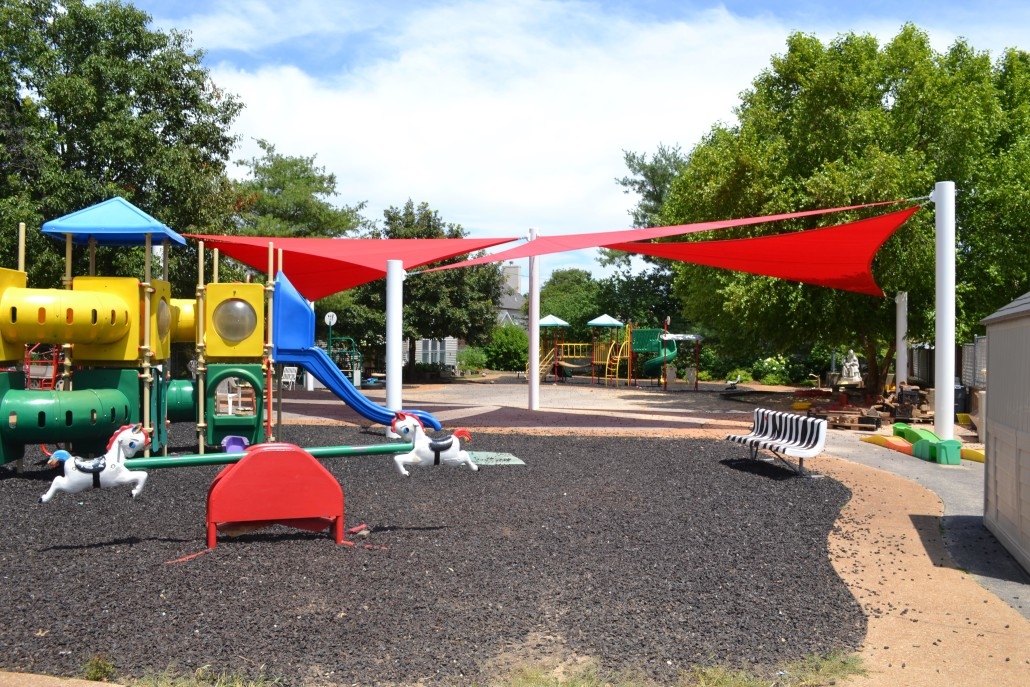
394,332
533,373
901,338
944,350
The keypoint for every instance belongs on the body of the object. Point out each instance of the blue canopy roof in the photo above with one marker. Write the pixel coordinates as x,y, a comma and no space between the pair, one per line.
115,222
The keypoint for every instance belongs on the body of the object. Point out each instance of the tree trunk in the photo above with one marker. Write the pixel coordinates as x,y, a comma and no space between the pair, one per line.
877,368
411,358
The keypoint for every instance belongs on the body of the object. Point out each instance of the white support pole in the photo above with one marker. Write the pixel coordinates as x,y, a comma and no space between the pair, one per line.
394,332
901,338
944,351
533,373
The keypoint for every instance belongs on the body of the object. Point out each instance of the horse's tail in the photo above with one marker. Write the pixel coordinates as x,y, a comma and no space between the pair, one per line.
463,433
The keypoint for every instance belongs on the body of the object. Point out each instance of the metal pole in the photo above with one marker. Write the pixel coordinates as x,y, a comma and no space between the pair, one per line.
944,351
901,339
533,373
394,332
196,460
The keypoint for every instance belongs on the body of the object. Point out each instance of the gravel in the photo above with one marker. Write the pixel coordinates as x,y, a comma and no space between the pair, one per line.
646,554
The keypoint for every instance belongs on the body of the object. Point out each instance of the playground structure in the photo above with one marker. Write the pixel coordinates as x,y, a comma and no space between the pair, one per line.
114,335
613,359
111,341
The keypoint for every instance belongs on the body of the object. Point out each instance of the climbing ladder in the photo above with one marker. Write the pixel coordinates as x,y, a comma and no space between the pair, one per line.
617,352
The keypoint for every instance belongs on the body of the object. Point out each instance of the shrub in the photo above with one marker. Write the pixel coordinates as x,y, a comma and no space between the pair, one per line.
771,370
471,359
508,349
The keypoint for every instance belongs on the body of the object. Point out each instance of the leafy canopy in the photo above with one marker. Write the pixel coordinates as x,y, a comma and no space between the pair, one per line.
93,104
848,122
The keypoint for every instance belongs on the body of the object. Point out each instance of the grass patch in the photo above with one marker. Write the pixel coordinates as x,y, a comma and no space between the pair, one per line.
204,677
814,671
99,668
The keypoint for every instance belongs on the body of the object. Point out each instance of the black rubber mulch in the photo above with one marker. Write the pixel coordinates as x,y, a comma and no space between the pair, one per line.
646,553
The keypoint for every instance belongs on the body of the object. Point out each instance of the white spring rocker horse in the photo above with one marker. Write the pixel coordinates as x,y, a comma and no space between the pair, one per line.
427,451
105,471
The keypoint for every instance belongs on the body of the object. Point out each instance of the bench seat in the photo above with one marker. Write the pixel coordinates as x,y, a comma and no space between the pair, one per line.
784,434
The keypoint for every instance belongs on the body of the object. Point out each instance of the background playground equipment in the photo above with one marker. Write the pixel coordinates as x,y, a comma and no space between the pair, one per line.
347,357
925,445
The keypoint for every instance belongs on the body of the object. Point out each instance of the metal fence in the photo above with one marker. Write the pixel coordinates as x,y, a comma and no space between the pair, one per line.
974,363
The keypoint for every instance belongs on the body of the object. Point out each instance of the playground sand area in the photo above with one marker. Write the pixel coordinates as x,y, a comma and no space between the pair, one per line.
647,552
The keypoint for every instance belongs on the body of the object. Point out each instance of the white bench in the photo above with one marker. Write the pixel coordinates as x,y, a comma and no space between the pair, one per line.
784,434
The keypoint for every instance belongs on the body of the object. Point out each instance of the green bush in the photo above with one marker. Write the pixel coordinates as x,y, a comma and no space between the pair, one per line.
508,349
471,359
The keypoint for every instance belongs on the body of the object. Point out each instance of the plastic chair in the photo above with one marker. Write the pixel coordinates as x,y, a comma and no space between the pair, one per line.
288,378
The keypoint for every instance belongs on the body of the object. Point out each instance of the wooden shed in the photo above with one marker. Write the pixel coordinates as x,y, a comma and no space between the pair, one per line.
1007,441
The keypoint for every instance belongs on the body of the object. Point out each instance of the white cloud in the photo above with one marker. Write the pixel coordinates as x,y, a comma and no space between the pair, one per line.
508,117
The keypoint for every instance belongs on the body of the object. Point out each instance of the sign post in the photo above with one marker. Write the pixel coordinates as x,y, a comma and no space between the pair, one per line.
330,319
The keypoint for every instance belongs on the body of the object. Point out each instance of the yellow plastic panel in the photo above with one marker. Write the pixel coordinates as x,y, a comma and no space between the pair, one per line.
161,319
184,320
234,320
120,313
13,349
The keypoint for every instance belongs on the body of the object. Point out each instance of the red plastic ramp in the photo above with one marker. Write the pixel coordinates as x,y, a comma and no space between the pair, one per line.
274,483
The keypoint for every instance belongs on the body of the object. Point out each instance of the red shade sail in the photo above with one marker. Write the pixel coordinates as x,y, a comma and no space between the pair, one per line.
320,267
544,245
839,257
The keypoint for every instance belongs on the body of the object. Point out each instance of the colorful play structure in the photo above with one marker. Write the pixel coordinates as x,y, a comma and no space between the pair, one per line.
924,444
115,382
613,354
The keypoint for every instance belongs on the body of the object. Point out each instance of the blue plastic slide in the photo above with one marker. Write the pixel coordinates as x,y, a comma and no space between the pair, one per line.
293,342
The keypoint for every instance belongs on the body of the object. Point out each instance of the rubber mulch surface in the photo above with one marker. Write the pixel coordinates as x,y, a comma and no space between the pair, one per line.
648,554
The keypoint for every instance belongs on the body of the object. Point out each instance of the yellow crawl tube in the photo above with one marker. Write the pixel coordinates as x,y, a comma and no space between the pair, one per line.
61,316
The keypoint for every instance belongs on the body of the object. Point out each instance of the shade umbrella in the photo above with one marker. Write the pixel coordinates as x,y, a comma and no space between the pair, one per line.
553,321
605,320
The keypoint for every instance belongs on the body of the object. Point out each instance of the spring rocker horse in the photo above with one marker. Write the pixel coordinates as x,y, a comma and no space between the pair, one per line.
427,451
105,471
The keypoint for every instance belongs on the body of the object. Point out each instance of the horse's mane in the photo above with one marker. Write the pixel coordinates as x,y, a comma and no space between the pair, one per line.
117,433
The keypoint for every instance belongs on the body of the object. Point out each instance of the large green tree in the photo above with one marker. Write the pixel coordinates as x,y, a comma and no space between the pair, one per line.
848,122
571,295
286,195
461,303
94,103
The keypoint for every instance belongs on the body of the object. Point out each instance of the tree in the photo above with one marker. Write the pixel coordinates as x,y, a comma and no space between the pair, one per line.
650,180
571,295
645,298
95,104
852,122
290,196
460,303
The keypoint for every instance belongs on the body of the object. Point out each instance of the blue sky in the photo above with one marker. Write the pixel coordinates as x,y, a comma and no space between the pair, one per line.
509,115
